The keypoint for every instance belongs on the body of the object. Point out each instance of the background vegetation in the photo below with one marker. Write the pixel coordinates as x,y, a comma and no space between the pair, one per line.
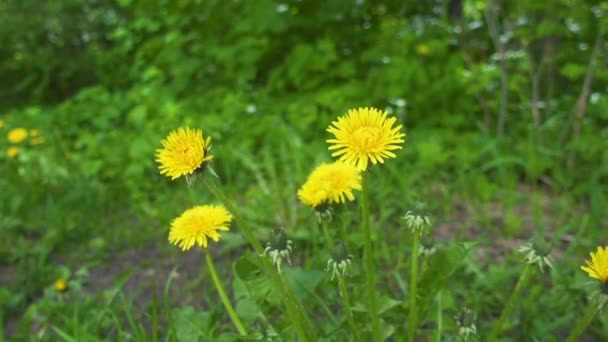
506,115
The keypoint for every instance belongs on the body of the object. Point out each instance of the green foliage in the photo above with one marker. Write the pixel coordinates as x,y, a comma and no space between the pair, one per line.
104,81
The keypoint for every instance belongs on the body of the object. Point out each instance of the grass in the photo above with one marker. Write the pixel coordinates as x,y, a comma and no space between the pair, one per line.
129,261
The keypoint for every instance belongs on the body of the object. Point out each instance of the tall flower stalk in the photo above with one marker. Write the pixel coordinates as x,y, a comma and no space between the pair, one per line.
593,310
368,261
418,226
222,293
347,308
413,313
294,308
524,277
339,264
196,226
363,136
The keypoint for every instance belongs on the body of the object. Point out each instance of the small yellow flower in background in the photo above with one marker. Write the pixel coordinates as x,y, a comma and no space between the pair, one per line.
597,267
17,135
363,135
37,141
34,132
184,152
422,49
61,285
198,224
330,183
12,152
1,123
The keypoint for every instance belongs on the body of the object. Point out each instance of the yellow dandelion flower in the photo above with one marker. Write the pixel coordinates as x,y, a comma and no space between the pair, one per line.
198,224
422,49
184,151
330,183
12,152
61,285
365,134
34,132
597,267
17,135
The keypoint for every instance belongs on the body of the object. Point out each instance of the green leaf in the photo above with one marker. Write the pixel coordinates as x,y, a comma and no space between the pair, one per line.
248,269
384,304
304,282
442,266
192,325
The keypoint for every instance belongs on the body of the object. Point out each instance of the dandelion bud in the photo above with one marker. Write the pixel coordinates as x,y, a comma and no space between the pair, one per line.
466,323
427,245
324,213
278,248
417,223
340,260
537,252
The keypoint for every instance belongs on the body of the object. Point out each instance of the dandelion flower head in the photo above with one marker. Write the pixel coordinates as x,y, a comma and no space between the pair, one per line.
363,135
17,135
422,49
198,224
597,267
330,183
184,152
12,152
60,285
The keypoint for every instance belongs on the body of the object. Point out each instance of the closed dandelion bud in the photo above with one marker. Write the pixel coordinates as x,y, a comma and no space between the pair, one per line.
416,222
537,252
466,323
278,248
340,260
427,245
324,213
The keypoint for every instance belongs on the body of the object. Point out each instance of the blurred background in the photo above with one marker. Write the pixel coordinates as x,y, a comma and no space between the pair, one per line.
504,104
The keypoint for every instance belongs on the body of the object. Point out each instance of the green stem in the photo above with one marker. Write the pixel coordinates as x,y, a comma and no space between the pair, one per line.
349,313
523,280
439,330
582,324
220,290
330,241
370,271
294,308
412,317
243,227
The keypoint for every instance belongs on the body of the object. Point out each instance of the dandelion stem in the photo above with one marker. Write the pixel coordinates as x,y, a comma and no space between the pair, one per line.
294,308
346,303
523,280
243,227
439,329
412,317
593,310
225,300
370,271
330,241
